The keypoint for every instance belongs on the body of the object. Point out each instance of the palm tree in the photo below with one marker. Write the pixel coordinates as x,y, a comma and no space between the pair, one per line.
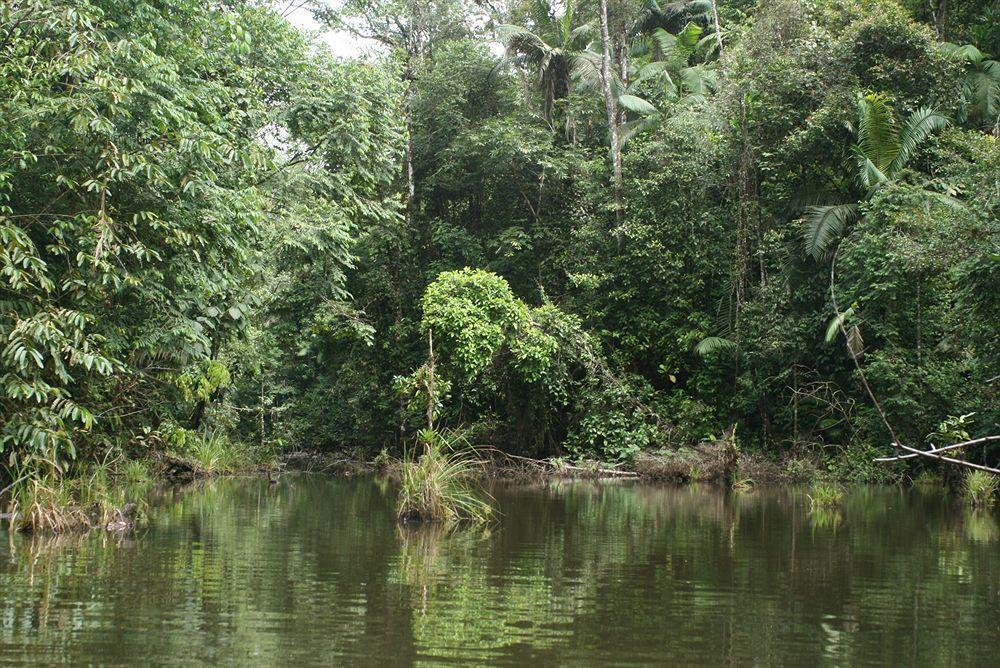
673,17
667,72
551,51
659,65
882,151
981,87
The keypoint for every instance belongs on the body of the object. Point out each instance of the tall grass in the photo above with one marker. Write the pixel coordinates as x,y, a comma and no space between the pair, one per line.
212,453
438,486
135,471
980,488
98,495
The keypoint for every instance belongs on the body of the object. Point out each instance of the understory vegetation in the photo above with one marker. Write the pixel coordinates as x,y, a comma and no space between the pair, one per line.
630,228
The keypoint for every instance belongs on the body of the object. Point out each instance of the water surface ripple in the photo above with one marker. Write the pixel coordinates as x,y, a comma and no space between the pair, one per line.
315,571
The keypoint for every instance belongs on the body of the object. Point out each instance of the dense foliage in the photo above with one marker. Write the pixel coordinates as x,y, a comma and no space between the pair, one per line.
211,226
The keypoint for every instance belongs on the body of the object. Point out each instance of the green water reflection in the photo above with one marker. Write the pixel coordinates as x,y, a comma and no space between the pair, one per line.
315,571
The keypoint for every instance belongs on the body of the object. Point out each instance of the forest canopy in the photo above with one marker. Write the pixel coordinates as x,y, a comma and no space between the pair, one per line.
629,226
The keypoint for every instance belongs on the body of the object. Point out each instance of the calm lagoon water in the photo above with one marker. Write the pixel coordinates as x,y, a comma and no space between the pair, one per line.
315,571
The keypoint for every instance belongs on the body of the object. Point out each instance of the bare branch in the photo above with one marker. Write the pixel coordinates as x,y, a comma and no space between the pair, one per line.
933,451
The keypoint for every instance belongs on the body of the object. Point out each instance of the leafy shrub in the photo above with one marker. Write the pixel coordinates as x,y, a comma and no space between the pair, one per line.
614,422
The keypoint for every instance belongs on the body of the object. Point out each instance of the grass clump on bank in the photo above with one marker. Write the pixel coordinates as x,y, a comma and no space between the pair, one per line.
980,488
104,495
213,453
825,494
437,487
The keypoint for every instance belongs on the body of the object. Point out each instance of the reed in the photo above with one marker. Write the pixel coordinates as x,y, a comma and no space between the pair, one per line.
95,497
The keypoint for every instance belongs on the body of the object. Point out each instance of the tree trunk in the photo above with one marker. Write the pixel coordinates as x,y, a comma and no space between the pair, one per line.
622,52
411,187
430,380
941,18
610,106
718,30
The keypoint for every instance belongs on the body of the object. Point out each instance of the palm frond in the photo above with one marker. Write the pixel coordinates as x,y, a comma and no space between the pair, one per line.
710,344
869,175
655,69
981,90
878,137
581,37
915,130
967,52
855,342
519,41
823,224
698,7
664,41
687,42
586,70
836,323
699,79
708,44
566,24
630,129
653,16
636,105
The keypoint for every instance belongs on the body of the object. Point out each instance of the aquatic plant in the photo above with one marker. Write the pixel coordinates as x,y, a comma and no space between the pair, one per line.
980,488
825,518
928,478
215,453
979,526
437,486
825,494
44,504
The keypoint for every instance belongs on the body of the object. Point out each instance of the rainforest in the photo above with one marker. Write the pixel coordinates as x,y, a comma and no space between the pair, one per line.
627,229
488,332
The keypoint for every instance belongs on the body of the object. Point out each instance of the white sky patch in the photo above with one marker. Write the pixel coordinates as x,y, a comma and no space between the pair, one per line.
342,44
345,45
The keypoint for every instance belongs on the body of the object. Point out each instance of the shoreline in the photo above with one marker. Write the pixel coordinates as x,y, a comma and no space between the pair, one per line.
714,463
